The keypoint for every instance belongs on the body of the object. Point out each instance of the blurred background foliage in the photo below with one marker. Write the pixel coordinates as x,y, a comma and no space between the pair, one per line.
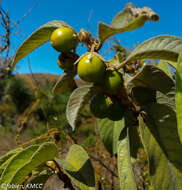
35,113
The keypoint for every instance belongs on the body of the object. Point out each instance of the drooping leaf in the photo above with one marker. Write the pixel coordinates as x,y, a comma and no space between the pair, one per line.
25,161
164,175
8,155
38,178
178,97
76,102
5,159
131,121
126,175
128,19
78,167
164,66
16,163
36,39
154,78
135,142
143,95
109,132
179,94
161,47
162,123
66,83
45,152
168,99
128,145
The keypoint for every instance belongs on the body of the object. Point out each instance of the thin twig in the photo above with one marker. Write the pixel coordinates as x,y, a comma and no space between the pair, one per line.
5,38
121,65
23,17
101,163
64,178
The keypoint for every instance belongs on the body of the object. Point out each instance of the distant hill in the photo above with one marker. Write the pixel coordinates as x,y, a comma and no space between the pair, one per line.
42,78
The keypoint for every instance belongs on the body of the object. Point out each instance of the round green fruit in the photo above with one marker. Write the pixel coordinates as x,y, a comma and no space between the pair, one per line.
113,82
66,62
115,111
91,68
99,105
63,39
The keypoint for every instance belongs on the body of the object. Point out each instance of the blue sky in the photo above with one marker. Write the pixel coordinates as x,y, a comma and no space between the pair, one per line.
76,14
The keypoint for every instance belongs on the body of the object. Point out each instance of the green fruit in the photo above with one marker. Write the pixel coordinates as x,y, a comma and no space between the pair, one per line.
61,62
99,106
113,82
91,68
63,39
115,111
66,61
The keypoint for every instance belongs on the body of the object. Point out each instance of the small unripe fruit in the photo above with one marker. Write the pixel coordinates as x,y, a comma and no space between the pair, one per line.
60,62
63,39
99,105
113,82
66,62
91,68
115,111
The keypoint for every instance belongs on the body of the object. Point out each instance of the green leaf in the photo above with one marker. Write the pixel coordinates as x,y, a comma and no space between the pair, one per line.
39,178
25,161
164,175
45,152
78,99
160,47
135,142
78,167
8,155
5,159
179,95
132,122
36,39
16,162
164,66
109,132
128,19
143,95
168,99
154,78
66,83
126,175
162,123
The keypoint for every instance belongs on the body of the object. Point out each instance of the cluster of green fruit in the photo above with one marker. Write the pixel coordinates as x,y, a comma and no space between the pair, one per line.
91,68
63,40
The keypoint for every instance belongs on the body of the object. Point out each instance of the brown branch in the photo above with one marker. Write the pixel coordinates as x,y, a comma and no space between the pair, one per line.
121,65
6,24
5,38
101,163
63,177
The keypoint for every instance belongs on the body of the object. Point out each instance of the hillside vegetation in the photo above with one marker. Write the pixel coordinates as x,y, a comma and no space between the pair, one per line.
30,113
